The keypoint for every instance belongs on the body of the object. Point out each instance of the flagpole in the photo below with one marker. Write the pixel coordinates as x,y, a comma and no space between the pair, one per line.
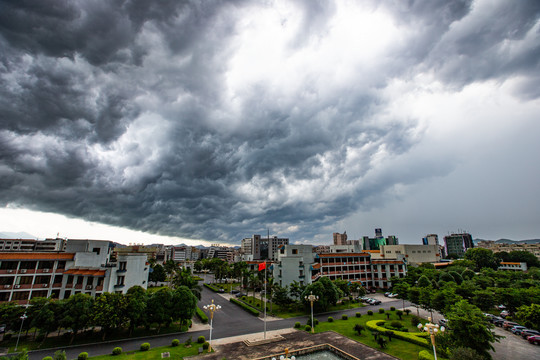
264,302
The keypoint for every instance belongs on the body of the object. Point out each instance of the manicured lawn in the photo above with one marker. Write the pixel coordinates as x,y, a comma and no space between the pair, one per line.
288,311
84,338
398,348
177,352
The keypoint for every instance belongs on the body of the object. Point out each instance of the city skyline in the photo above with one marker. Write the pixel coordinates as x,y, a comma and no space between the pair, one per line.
207,122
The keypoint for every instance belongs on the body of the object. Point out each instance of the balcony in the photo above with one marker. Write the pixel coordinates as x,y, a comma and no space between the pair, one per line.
37,286
27,271
8,271
78,286
119,286
57,285
99,288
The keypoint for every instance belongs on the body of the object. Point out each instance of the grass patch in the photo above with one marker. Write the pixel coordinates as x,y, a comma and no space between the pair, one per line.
86,337
178,352
398,348
294,310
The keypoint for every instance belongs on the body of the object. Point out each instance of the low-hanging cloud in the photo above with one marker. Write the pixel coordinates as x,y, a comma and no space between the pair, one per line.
160,117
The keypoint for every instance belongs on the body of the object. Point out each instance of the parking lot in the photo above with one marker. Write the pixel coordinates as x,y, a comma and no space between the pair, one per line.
514,347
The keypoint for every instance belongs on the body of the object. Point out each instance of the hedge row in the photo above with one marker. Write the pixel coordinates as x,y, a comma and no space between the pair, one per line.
425,355
201,315
212,287
418,339
248,308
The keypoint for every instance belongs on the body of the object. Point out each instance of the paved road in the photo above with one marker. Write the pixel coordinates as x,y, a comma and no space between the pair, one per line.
231,320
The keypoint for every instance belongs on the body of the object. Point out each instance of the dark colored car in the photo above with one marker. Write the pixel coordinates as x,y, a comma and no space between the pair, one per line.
499,322
507,325
529,332
534,340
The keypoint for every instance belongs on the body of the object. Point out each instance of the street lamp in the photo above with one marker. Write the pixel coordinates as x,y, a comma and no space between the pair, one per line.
432,329
212,308
23,317
312,298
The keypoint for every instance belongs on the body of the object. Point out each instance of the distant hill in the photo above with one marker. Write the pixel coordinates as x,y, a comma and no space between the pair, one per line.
508,241
16,235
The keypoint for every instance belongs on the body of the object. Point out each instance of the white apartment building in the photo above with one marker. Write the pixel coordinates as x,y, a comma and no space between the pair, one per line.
84,266
260,248
293,264
515,266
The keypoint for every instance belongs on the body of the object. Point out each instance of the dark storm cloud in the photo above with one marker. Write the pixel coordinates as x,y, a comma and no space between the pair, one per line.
117,112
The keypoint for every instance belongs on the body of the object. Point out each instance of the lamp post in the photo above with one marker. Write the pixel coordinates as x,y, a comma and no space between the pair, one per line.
432,329
23,317
312,298
212,308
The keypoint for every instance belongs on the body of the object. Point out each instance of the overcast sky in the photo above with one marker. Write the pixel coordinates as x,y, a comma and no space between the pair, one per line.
214,120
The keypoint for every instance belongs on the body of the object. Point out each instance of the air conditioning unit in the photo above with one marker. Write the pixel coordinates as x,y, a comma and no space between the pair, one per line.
10,271
23,271
7,286
45,285
46,270
17,286
89,287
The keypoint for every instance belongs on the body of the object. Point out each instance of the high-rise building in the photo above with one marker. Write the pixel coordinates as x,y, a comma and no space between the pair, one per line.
376,242
260,248
431,239
457,244
340,239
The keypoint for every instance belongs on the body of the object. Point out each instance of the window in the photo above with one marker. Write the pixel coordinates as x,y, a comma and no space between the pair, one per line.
122,265
120,280
295,251
96,250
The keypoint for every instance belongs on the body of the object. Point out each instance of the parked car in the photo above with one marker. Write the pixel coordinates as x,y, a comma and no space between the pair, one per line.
534,339
499,322
387,293
504,313
495,318
393,295
501,307
529,332
240,294
507,325
374,302
234,291
517,329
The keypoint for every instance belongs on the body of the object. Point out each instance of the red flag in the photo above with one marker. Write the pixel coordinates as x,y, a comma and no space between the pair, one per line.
262,266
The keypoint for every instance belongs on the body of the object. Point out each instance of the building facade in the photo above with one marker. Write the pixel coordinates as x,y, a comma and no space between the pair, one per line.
458,244
259,248
378,241
413,254
83,266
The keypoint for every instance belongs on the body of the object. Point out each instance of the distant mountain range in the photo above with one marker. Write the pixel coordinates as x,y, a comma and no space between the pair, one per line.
508,241
16,235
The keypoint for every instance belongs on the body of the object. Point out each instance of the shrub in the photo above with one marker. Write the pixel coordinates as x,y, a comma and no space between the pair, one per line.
145,346
381,311
417,338
462,353
370,312
392,308
206,345
201,315
344,317
315,321
117,350
175,342
308,328
297,325
359,328
407,311
201,339
59,355
246,307
47,358
399,313
425,355
330,319
82,356
395,324
358,315
189,341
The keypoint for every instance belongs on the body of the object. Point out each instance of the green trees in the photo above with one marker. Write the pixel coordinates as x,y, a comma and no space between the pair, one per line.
470,328
327,292
109,312
136,299
157,274
157,308
183,304
529,315
482,258
77,313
